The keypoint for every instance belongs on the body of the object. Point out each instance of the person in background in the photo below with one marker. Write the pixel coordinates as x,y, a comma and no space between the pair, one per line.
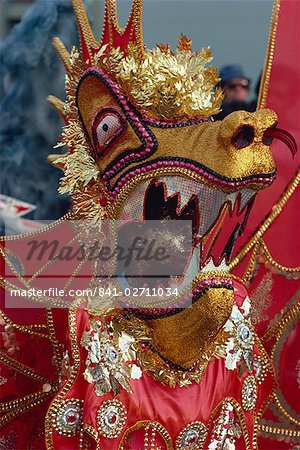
236,87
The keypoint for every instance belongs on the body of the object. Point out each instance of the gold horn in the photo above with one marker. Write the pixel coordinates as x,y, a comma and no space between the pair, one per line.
87,39
62,53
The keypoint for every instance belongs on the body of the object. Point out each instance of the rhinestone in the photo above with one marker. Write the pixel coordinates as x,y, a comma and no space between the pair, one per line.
192,437
111,418
111,355
259,367
97,373
249,393
244,335
69,417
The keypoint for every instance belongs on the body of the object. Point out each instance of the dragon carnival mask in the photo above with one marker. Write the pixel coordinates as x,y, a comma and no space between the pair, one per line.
143,146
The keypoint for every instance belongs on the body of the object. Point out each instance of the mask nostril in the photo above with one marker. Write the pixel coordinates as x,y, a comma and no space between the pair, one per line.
267,138
269,135
243,136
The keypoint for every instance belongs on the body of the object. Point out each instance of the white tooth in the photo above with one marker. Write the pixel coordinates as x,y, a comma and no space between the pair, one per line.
246,195
210,199
210,266
232,197
210,202
190,273
173,282
172,188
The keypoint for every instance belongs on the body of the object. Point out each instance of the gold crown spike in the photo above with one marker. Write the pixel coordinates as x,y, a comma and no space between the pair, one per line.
89,45
188,90
113,35
62,52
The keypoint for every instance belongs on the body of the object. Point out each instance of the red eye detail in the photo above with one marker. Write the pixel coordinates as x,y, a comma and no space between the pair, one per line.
243,136
107,126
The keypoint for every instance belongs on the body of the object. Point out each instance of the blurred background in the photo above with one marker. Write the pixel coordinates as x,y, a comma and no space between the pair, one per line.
236,30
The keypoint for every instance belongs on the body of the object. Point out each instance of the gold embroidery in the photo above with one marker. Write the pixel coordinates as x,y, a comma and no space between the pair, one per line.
68,384
239,411
23,404
45,229
274,266
22,368
286,324
290,313
268,367
147,424
149,360
274,213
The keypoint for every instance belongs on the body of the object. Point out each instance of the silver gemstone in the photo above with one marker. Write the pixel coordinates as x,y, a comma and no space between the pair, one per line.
69,417
111,417
244,335
249,392
97,373
111,355
191,437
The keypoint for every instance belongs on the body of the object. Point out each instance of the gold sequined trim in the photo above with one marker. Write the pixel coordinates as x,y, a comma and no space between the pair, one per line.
275,212
278,328
21,368
239,411
69,382
278,431
24,404
275,267
55,223
264,85
149,424
149,360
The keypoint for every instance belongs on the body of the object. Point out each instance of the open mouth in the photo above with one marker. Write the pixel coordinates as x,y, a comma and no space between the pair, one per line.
215,220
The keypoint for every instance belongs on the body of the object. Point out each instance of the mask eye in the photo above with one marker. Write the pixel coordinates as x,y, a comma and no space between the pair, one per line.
107,126
243,136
